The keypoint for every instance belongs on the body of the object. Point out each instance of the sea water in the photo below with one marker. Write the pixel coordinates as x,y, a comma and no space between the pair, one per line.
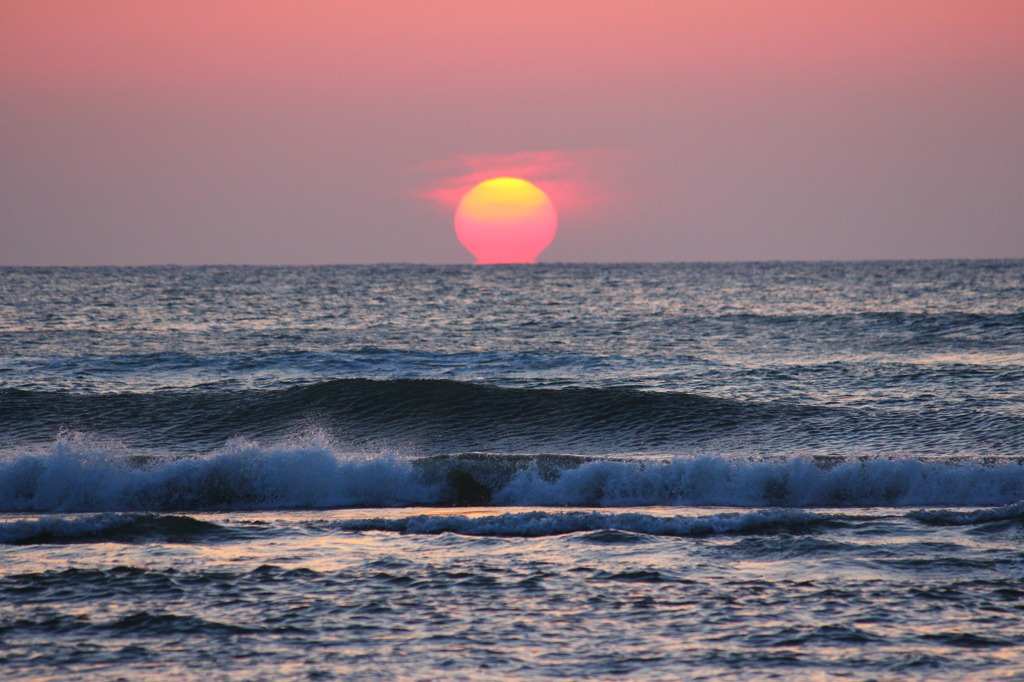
674,471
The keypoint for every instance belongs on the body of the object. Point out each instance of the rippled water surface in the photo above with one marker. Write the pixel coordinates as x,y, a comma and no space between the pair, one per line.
799,471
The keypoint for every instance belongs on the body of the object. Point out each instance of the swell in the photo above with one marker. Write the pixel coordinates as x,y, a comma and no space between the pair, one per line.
440,416
951,517
144,527
106,528
77,477
541,524
162,370
593,526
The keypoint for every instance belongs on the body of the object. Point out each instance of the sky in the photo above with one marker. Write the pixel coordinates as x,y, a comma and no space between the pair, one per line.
140,132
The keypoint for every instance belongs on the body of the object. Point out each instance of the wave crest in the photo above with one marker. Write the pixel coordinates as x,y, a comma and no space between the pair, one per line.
75,477
104,527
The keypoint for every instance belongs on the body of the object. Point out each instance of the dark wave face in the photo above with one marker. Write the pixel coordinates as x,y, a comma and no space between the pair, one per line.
435,416
108,528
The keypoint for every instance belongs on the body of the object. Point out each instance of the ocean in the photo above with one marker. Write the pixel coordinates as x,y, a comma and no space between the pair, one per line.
556,471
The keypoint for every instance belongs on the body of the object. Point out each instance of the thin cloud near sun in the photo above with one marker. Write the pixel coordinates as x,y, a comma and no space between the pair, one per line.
579,182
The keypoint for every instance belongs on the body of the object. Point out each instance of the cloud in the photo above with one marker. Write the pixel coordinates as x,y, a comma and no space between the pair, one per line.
579,182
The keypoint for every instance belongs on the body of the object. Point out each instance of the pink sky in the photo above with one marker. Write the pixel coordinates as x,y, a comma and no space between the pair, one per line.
141,132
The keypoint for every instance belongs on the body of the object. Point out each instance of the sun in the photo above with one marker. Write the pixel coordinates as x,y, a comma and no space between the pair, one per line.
505,220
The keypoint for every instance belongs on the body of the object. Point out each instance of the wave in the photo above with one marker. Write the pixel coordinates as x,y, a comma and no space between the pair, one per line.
105,528
951,517
116,527
540,523
445,417
436,415
76,476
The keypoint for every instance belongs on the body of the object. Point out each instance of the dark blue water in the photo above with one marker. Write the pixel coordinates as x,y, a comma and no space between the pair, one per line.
802,470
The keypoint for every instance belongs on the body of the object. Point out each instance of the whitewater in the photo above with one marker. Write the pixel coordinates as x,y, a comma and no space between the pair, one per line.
641,471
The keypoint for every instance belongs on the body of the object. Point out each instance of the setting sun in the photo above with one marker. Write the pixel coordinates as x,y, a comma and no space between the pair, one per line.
505,220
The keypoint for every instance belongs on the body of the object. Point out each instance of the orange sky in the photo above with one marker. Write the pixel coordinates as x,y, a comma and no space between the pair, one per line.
304,131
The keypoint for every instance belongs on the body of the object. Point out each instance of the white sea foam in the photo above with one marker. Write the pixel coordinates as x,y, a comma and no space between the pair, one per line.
76,476
794,482
73,476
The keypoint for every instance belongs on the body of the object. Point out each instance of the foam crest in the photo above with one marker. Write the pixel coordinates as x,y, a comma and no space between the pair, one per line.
792,482
73,476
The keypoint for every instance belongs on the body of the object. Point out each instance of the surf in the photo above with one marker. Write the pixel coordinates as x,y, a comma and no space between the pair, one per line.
77,475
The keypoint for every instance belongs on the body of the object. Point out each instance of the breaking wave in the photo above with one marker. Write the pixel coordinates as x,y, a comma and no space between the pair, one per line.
74,476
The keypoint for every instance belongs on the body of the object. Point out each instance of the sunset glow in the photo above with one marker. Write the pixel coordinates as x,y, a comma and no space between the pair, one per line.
511,340
505,220
248,131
